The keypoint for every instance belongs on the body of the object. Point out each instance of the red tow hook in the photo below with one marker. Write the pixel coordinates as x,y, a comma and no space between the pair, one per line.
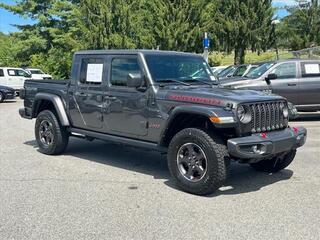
263,135
295,130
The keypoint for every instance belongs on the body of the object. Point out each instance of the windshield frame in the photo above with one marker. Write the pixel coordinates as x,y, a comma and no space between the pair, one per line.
212,79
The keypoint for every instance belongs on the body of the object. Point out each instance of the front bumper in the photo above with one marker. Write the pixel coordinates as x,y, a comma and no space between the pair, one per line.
10,95
265,145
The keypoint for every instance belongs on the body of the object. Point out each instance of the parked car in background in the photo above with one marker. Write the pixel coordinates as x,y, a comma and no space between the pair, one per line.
6,93
297,80
38,74
13,77
236,71
218,69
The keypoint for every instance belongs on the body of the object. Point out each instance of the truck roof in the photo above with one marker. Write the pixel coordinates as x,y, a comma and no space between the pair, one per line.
13,68
135,51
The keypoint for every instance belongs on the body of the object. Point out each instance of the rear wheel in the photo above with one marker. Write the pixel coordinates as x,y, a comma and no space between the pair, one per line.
1,97
275,164
52,138
197,161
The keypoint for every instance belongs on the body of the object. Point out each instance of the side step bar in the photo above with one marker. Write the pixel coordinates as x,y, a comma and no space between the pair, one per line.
118,139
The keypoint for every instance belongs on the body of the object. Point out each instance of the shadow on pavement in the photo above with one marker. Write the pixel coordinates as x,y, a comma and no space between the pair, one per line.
242,178
9,101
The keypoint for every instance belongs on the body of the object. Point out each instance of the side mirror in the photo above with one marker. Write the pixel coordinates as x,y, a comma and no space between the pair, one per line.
134,80
272,76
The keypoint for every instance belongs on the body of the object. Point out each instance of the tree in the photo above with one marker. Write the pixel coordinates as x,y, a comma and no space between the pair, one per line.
54,31
179,25
247,23
301,29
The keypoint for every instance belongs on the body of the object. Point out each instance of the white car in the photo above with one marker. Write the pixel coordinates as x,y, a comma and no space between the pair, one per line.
218,69
38,74
13,77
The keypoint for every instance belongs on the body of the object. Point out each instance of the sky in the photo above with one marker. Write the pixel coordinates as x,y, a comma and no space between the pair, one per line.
7,19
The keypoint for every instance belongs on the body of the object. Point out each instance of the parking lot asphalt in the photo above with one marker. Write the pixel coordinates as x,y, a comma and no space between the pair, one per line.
98,190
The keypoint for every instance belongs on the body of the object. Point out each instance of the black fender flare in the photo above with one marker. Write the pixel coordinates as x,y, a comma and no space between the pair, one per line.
204,111
58,104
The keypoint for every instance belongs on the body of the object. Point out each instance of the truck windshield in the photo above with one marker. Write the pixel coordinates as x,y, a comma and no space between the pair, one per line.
173,68
259,71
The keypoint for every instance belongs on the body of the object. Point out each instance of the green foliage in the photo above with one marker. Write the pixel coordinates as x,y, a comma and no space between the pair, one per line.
246,24
215,59
65,26
301,29
219,58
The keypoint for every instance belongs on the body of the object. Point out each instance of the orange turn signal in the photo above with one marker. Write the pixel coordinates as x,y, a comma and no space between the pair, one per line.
215,119
221,120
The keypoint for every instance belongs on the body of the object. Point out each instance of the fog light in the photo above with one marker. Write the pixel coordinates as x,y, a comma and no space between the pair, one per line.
259,149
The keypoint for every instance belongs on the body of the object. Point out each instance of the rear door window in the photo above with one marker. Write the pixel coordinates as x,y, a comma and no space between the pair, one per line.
17,73
310,69
91,71
1,73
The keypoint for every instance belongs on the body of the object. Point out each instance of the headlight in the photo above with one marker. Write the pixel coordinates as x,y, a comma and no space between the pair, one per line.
243,114
285,110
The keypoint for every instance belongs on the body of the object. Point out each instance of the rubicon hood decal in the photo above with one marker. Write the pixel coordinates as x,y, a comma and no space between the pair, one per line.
194,99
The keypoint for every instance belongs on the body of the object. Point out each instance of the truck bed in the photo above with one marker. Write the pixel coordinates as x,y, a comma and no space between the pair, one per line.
32,87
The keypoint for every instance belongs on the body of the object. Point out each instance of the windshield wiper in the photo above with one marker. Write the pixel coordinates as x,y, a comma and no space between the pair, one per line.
173,80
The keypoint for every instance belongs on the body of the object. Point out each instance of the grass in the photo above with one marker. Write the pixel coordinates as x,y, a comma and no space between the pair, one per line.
220,59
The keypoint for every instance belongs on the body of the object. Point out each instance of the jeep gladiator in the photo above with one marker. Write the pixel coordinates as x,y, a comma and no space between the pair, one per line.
166,101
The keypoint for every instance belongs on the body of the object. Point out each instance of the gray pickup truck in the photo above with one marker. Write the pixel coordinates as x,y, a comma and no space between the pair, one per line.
166,101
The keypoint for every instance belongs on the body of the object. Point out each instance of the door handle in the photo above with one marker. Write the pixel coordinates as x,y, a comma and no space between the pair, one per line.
110,98
292,84
81,94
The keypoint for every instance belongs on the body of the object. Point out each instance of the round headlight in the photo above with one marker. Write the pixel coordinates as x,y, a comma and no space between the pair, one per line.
285,110
243,114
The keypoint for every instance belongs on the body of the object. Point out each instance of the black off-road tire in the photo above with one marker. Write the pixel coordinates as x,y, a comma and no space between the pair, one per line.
217,161
2,97
275,164
60,134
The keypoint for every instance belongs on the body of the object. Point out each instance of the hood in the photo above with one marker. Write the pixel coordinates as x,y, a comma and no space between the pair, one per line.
229,81
218,96
6,88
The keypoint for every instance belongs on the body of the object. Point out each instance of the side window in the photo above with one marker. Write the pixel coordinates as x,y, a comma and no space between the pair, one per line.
309,69
91,71
1,73
120,68
12,72
240,71
286,70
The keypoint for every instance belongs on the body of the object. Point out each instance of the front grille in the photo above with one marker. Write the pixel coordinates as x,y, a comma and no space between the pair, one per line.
267,116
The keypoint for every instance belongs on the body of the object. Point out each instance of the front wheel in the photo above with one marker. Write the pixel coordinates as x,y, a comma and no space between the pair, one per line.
197,161
275,164
51,137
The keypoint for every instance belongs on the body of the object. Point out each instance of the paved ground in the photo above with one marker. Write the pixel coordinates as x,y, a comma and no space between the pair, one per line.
102,191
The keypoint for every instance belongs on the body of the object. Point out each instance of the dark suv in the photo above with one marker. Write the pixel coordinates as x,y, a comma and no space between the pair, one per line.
169,102
297,80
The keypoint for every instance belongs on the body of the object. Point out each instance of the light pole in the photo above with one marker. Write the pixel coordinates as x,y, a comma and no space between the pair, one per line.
206,45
